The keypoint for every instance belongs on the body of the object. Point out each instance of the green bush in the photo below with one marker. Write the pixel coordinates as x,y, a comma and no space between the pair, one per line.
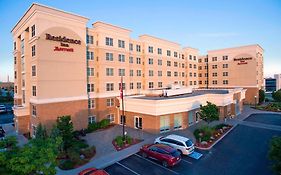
277,95
206,131
196,134
79,144
220,126
67,165
73,155
88,152
104,123
93,127
119,141
261,96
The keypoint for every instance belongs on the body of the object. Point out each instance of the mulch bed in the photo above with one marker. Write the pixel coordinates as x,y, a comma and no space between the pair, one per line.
218,134
134,141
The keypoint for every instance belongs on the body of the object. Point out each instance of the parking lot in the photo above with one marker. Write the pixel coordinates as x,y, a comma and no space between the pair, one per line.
242,151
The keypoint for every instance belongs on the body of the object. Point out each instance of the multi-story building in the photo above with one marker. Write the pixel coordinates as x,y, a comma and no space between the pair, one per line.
278,81
64,68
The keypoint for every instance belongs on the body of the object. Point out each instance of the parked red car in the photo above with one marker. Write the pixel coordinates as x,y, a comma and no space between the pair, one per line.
93,171
165,154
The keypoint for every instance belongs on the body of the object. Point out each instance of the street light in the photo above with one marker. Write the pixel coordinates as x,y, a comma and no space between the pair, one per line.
255,101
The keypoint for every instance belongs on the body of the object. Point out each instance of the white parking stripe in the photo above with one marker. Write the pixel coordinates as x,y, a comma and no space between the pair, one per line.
156,164
118,163
186,161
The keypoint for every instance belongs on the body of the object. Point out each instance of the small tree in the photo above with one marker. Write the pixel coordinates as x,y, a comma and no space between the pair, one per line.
65,127
41,132
209,112
277,95
261,96
275,154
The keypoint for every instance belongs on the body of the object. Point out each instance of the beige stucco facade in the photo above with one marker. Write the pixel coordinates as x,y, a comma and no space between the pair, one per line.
64,68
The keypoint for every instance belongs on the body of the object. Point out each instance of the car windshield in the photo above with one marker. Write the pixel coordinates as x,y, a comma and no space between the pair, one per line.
175,153
188,143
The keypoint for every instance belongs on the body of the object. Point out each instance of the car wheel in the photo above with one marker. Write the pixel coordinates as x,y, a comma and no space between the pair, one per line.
144,155
165,164
156,142
180,151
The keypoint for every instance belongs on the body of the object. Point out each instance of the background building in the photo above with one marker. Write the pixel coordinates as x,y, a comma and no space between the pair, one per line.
278,81
270,84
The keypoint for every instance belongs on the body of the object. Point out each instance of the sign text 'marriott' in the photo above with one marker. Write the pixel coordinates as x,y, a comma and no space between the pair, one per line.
62,39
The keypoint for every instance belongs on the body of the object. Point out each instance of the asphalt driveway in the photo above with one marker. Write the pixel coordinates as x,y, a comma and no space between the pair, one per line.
271,119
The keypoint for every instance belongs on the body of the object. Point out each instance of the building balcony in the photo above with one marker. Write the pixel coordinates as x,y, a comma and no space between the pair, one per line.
20,110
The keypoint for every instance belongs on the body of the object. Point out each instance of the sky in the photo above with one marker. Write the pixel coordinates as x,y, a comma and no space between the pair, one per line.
200,24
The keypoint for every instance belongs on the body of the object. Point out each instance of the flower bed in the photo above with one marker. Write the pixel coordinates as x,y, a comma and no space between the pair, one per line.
119,144
207,136
274,107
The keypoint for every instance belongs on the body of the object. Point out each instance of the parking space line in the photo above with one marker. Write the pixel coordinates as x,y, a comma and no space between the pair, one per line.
156,164
186,161
118,163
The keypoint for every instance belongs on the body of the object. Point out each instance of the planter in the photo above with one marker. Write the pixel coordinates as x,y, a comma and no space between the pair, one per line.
126,145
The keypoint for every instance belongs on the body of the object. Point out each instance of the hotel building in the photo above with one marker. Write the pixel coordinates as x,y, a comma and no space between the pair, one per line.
64,68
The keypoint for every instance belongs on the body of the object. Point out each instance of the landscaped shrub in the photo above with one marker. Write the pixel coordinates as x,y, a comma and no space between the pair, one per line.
104,123
73,155
277,95
206,133
88,152
119,141
197,134
93,127
79,144
66,165
129,140
261,96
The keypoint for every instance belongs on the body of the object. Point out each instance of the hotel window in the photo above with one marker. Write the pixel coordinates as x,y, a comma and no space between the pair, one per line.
195,66
150,73
123,86
138,60
182,74
109,86
200,60
175,64
33,50
175,74
225,74
200,82
206,74
121,43
22,46
190,83
131,85
194,74
138,48
150,61
150,49
206,67
215,74
168,53
176,54
131,73
91,104
121,72
190,66
206,60
138,85
200,75
195,82
194,58
225,81
90,71
214,59
150,85
16,89
190,74
138,73
168,63
224,57
109,56
159,73
34,111
159,62
23,82
159,51
108,41
160,84
199,67
15,45
168,73
33,30
190,57
215,66
109,71
206,81
225,66
131,47
215,82
34,91
90,39
92,119
121,58
110,102
15,74
90,87
182,66
182,83
110,117
182,56
33,70
23,96
90,55
131,59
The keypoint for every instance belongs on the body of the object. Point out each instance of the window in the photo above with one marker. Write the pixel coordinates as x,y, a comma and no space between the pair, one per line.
200,82
110,117
164,123
138,122
190,74
182,74
206,82
190,57
206,74
121,72
168,53
225,66
176,54
206,60
159,51
92,119
175,64
194,74
109,71
214,59
121,58
150,49
131,85
131,47
121,43
215,82
15,60
23,96
108,41
34,111
150,85
91,104
33,70
194,58
123,87
33,50
90,71
190,66
16,89
122,120
175,74
109,86
200,60
159,62
138,73
109,56
90,87
199,67
90,39
200,74
206,67
150,73
33,30
225,57
215,74
159,73
138,60
90,55
138,85
225,81
34,91
150,61
22,46
168,63
160,84
131,60
110,102
169,73
131,73
195,66
15,45
190,83
225,74
215,66
138,48
182,66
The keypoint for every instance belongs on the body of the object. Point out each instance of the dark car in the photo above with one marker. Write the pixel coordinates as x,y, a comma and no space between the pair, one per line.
165,154
93,171
3,109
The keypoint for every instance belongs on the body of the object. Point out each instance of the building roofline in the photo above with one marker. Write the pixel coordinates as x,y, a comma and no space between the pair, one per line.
236,47
115,26
160,39
52,8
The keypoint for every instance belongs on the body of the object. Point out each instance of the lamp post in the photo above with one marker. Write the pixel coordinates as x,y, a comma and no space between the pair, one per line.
255,101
